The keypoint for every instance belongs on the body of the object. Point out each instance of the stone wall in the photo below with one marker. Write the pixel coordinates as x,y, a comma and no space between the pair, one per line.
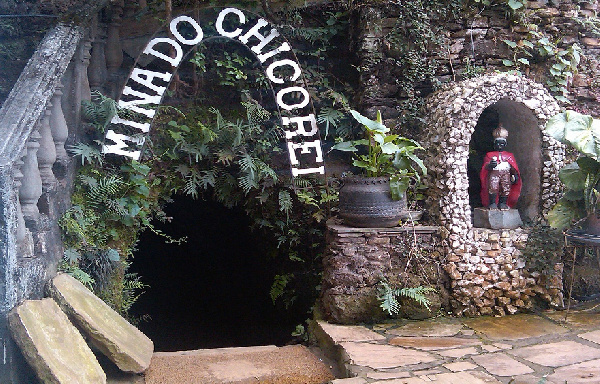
474,40
491,277
357,259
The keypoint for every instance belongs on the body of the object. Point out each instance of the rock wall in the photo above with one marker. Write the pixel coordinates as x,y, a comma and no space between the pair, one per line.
491,277
357,259
474,42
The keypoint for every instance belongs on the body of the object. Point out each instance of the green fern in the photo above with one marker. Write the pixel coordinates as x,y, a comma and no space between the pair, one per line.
388,296
89,154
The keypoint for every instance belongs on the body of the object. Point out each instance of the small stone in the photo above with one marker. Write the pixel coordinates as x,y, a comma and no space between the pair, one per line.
460,366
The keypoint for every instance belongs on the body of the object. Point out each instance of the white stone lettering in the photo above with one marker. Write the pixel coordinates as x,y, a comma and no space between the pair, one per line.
187,32
297,172
280,63
148,79
144,99
174,61
117,148
305,147
254,31
221,18
287,90
175,23
144,127
300,129
285,47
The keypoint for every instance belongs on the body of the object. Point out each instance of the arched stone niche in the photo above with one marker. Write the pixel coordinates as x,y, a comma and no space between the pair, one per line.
452,114
487,274
524,141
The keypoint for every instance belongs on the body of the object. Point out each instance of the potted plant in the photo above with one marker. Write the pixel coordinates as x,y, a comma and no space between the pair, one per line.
581,199
377,198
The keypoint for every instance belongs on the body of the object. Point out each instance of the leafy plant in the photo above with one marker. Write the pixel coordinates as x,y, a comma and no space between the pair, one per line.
581,177
387,155
388,296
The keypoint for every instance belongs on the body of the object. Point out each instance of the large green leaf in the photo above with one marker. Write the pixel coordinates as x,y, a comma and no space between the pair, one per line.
580,131
563,214
371,125
346,146
572,176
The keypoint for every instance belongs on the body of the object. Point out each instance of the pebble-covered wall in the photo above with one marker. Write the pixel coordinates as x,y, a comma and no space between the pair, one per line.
488,275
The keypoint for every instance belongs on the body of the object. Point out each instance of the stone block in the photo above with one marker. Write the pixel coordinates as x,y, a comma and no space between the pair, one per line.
496,219
114,336
52,345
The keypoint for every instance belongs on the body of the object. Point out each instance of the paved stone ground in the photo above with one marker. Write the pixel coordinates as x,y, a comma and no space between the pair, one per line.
519,349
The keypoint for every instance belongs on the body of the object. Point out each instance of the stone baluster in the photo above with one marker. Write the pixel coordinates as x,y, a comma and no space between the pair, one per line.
46,155
114,51
58,125
21,229
31,183
83,62
97,72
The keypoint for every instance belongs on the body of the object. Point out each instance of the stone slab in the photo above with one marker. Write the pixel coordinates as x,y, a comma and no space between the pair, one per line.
514,327
293,364
557,354
114,336
577,320
583,373
500,364
460,366
433,343
496,219
459,352
342,333
431,328
378,356
443,378
593,336
52,345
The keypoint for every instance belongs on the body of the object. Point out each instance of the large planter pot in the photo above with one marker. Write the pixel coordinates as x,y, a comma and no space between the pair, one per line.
367,202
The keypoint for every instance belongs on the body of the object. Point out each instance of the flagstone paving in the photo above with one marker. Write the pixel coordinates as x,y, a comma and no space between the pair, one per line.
520,349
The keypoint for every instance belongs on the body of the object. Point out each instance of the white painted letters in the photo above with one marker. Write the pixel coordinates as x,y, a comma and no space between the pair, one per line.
148,79
199,34
300,126
275,64
174,61
304,156
221,18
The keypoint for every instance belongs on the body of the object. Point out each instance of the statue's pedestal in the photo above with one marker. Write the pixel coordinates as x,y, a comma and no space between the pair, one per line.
496,219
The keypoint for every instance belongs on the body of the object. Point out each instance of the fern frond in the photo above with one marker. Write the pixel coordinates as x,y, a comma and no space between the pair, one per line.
329,116
387,298
285,202
89,153
417,294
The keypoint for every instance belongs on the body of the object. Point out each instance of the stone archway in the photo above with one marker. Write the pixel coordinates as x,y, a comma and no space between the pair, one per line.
452,114
477,259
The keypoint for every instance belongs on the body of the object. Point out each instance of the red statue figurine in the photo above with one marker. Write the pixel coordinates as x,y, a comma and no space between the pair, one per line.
500,177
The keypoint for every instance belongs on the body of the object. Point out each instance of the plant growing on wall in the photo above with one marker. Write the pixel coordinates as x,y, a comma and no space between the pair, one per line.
388,296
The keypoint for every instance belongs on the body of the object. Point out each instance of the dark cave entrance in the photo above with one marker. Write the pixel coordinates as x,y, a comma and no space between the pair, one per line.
213,290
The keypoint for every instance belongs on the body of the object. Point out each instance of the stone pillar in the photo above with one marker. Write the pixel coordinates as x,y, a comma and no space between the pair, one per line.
31,184
58,125
46,155
82,90
97,72
24,238
114,51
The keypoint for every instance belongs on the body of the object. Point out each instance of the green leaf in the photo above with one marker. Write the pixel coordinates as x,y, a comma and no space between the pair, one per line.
507,63
511,44
371,125
346,146
514,4
523,60
572,176
72,256
113,254
580,131
562,214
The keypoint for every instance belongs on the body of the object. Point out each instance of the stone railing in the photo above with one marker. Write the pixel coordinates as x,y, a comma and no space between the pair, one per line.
40,114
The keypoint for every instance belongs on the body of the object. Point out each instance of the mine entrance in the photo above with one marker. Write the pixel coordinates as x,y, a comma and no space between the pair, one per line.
213,290
524,141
